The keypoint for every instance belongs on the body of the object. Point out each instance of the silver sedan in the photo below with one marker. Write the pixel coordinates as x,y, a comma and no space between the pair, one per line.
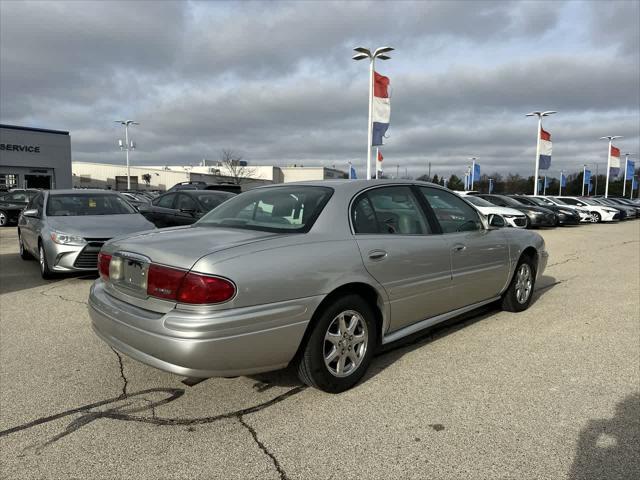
65,229
317,274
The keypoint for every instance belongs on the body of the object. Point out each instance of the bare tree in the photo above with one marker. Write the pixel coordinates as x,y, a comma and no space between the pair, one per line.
235,167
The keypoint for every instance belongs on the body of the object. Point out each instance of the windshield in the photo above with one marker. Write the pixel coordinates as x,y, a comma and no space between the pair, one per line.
478,202
278,209
510,201
543,202
80,204
211,200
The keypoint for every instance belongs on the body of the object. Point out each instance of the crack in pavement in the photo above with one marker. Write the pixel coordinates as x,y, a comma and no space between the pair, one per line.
124,377
45,293
254,434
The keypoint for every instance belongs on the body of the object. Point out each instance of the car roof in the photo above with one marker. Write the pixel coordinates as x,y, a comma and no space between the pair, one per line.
88,191
346,185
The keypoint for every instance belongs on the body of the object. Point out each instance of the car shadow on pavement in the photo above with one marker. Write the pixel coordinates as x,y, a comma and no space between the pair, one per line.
388,354
17,274
610,447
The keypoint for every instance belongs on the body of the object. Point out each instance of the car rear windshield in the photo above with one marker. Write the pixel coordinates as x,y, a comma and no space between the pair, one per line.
78,204
477,201
211,200
291,209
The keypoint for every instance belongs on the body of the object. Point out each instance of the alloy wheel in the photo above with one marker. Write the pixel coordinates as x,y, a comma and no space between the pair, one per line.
42,259
345,343
594,217
3,219
524,283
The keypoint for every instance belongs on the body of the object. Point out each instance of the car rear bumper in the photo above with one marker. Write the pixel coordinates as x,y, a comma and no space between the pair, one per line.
228,342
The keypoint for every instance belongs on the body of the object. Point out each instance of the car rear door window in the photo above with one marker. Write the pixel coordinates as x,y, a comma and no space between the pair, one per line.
388,210
185,202
453,213
165,201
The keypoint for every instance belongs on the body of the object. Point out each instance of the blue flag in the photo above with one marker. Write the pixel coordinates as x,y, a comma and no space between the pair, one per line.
476,172
634,184
590,187
563,180
587,177
352,172
631,168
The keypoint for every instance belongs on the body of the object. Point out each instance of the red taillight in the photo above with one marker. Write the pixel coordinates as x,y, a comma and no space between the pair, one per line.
180,286
198,288
103,265
164,282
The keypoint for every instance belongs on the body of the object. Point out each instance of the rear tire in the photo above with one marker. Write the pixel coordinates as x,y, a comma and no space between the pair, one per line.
24,254
46,273
4,218
520,292
340,347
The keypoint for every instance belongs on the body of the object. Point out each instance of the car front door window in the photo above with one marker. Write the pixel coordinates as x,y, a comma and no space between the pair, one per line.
165,201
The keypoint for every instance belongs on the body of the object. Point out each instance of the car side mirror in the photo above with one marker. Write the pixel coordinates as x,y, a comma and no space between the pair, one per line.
32,213
496,221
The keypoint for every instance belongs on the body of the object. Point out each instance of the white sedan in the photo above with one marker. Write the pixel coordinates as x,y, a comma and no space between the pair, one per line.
585,214
599,213
512,217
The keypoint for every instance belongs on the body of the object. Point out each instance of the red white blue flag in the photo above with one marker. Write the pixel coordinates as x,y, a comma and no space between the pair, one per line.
614,161
544,149
381,108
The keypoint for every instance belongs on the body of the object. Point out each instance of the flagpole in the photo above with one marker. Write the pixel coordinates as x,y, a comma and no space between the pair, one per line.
376,161
584,177
631,193
606,185
370,130
544,187
535,180
560,190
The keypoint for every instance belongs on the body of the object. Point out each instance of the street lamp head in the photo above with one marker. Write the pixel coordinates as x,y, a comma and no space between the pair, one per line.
383,57
366,51
548,112
610,137
383,50
360,56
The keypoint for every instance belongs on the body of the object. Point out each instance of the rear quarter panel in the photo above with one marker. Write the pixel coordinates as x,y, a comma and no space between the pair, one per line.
286,269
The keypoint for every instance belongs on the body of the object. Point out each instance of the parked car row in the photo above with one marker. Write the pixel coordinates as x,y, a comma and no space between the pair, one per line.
550,211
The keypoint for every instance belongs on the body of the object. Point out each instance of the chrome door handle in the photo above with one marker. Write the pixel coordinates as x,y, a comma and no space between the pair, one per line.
459,248
377,254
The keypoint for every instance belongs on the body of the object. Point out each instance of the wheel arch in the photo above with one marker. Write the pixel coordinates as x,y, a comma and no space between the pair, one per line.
368,292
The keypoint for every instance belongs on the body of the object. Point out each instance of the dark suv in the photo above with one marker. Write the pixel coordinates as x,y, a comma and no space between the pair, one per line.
13,202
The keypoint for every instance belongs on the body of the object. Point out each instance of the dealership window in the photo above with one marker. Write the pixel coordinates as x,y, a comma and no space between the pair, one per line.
8,180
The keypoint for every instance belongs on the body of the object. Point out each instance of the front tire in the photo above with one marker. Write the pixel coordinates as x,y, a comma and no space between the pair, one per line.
340,347
595,217
520,292
46,273
4,218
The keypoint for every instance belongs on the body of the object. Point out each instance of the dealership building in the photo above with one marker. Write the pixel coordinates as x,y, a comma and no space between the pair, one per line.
34,158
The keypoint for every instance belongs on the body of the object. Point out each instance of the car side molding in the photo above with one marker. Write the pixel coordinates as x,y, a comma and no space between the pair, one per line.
428,322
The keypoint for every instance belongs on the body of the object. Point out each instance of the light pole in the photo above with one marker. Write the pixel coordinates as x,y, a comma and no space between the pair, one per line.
626,166
584,175
490,185
561,178
539,115
127,145
361,55
611,138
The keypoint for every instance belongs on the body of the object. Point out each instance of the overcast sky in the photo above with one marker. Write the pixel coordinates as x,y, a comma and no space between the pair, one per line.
275,81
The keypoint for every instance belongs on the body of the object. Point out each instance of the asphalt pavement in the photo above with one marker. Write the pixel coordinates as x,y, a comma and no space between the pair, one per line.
550,393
